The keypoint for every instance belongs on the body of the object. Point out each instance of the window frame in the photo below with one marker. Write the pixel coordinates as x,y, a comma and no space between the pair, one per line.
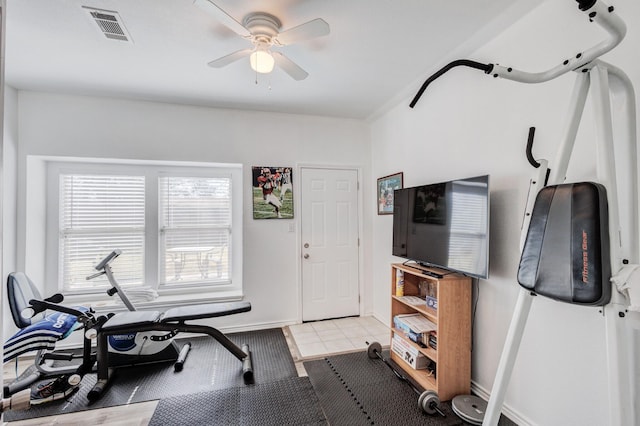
152,170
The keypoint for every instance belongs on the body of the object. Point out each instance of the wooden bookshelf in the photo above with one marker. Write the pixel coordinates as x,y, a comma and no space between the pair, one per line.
452,354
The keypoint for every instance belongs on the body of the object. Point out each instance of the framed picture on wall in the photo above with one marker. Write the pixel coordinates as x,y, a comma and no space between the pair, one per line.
272,189
386,186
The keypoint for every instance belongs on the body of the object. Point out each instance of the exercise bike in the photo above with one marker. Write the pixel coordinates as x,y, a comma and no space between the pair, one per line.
138,347
131,338
41,332
123,339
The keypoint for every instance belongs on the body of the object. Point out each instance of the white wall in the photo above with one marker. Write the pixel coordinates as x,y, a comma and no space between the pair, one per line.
467,124
59,125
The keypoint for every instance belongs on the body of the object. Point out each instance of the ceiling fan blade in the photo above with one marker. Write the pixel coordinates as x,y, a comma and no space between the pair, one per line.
214,10
232,57
289,66
312,29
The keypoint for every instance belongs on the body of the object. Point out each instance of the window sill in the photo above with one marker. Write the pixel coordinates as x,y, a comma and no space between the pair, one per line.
163,302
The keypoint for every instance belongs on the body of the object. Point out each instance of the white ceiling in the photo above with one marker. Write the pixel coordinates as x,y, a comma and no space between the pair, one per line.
378,51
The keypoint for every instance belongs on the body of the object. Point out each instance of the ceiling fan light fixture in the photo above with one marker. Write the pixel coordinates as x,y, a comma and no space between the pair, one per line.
263,31
262,61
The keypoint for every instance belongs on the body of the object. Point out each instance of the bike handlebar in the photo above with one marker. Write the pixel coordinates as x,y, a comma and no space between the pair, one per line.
104,262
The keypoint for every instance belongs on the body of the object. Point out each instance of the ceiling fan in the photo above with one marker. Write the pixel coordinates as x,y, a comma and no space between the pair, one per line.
263,31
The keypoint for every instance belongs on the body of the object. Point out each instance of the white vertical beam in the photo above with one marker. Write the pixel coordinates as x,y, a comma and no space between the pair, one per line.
508,358
576,108
617,348
520,315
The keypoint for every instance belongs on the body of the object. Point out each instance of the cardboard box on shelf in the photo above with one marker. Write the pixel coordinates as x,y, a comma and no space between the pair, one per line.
408,353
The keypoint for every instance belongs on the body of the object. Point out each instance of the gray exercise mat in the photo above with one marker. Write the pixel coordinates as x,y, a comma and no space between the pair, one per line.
286,402
356,390
209,366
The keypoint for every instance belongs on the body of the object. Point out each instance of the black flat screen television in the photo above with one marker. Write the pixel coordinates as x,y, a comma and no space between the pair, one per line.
444,225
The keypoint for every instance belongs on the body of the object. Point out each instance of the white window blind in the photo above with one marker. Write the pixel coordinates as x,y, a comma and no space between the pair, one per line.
195,229
99,213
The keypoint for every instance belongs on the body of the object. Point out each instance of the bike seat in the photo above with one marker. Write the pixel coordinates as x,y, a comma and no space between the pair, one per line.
124,320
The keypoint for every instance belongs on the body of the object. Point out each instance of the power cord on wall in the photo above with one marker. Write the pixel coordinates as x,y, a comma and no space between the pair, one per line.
475,306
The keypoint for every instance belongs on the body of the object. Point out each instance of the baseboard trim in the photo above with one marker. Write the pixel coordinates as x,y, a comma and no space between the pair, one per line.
508,411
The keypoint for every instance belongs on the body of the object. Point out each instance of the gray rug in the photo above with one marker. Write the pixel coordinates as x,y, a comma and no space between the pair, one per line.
209,366
286,402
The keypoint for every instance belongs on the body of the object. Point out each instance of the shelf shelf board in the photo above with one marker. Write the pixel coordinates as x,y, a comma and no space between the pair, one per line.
430,313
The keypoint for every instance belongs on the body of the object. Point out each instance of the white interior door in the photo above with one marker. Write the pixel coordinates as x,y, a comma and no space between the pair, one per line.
329,237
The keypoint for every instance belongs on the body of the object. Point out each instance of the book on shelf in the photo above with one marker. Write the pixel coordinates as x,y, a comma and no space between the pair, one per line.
433,340
413,322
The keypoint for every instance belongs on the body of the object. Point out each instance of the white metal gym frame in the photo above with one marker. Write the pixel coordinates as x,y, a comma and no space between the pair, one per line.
616,157
605,82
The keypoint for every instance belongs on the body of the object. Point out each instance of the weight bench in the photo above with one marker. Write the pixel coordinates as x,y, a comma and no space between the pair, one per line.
173,320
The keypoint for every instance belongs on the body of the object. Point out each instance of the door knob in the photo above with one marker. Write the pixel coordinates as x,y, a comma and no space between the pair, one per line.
306,245
306,255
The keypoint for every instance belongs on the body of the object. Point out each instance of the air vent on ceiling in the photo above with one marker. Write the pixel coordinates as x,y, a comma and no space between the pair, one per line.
109,23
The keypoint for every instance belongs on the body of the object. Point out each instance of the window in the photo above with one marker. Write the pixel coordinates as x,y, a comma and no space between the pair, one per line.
173,224
195,229
99,213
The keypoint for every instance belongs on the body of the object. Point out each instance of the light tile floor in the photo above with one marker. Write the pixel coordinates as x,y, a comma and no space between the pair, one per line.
320,338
